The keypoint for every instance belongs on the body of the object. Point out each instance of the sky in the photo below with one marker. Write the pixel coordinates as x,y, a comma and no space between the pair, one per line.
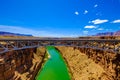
59,18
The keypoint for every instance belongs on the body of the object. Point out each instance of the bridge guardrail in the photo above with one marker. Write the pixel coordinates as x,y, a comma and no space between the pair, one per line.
16,44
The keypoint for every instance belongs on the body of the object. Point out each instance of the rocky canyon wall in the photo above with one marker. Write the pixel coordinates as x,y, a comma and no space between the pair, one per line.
21,64
110,61
83,63
91,64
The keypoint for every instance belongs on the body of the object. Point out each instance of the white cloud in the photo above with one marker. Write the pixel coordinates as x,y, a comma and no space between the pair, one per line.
90,27
76,13
116,21
39,33
85,32
100,29
98,21
95,5
85,12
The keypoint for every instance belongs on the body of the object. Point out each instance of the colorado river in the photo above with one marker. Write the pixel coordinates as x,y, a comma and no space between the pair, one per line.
54,68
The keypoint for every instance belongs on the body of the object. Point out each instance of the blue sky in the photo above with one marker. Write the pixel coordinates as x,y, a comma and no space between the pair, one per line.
59,18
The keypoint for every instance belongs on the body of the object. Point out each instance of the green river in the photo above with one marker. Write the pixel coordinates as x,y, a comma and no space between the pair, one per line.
54,68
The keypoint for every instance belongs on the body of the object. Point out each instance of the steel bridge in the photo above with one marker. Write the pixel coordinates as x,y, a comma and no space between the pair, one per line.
101,44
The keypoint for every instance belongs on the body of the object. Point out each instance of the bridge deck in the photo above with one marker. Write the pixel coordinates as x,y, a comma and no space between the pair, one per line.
102,44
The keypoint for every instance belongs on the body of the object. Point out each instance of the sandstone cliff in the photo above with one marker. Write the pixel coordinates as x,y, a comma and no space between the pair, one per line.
22,64
83,63
90,64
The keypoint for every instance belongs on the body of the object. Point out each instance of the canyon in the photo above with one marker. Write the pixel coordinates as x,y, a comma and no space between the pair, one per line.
83,63
21,64
91,64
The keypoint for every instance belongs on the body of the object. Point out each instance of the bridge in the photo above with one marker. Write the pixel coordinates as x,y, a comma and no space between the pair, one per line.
18,44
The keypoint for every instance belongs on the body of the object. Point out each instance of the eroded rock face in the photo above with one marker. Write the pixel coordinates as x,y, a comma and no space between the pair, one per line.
84,64
109,61
89,64
21,64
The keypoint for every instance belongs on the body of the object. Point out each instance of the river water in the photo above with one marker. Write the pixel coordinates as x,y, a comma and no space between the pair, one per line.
54,68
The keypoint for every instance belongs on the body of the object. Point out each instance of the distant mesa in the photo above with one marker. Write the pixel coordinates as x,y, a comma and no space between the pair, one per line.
2,33
117,33
105,34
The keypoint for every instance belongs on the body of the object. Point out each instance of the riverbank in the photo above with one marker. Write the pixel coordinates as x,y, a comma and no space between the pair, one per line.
81,67
54,67
83,64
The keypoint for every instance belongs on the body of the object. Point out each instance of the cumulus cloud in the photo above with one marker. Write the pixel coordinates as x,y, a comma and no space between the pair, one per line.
98,21
76,13
90,27
95,5
85,12
116,21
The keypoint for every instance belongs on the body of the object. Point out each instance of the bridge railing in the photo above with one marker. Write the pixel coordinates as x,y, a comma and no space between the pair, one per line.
14,44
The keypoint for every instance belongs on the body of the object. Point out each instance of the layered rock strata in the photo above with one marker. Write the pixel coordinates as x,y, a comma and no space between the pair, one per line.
90,64
83,63
22,64
109,61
